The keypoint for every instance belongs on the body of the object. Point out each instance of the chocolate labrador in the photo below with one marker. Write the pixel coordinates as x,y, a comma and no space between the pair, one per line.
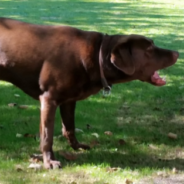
59,65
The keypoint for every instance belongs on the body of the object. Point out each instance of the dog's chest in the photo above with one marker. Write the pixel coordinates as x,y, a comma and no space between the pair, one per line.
4,57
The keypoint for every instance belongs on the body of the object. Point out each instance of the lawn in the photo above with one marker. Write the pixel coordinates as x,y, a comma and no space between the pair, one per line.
138,115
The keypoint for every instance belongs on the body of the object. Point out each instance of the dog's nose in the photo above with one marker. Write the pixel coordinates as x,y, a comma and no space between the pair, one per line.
175,55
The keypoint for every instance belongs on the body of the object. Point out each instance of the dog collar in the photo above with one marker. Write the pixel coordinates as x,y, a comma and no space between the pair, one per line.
106,87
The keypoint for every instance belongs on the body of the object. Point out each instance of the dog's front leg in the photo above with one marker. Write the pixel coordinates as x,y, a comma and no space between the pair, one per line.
67,112
48,109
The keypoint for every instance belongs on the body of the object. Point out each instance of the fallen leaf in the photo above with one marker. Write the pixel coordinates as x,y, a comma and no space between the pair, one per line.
127,181
174,171
95,134
19,135
17,95
153,147
112,169
12,104
108,133
122,142
172,135
19,168
68,156
35,166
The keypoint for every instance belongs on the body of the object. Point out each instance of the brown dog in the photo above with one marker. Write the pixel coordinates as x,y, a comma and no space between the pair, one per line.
60,65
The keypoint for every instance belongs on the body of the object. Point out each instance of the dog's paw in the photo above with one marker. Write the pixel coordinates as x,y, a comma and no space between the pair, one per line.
52,164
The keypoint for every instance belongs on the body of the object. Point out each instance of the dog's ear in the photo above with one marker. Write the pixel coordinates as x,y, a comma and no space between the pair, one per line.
121,58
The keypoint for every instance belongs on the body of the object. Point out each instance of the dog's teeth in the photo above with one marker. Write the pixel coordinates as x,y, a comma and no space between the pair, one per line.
164,78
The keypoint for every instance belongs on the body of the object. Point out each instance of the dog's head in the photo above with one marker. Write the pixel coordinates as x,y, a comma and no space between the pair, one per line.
137,56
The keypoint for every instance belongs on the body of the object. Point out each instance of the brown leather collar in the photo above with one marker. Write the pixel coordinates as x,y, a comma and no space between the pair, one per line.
106,87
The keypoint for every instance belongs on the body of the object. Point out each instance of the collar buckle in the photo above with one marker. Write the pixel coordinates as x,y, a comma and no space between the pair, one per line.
106,91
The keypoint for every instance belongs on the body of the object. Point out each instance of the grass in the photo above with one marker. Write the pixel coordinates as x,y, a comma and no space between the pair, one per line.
137,113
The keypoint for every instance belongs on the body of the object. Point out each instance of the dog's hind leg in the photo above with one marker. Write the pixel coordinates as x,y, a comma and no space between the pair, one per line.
67,112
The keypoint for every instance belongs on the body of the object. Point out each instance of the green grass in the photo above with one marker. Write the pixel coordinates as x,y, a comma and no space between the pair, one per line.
140,114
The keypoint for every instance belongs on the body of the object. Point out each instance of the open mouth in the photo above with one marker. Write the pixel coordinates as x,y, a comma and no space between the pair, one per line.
157,80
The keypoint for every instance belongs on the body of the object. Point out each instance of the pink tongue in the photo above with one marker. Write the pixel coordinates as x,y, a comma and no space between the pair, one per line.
155,78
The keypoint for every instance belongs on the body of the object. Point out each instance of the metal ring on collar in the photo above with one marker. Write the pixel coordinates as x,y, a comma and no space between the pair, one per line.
106,91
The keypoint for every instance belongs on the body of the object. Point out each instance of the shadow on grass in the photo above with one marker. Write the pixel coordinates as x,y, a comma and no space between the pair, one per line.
144,118
149,125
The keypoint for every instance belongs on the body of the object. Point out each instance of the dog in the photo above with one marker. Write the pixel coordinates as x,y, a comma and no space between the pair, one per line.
60,65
